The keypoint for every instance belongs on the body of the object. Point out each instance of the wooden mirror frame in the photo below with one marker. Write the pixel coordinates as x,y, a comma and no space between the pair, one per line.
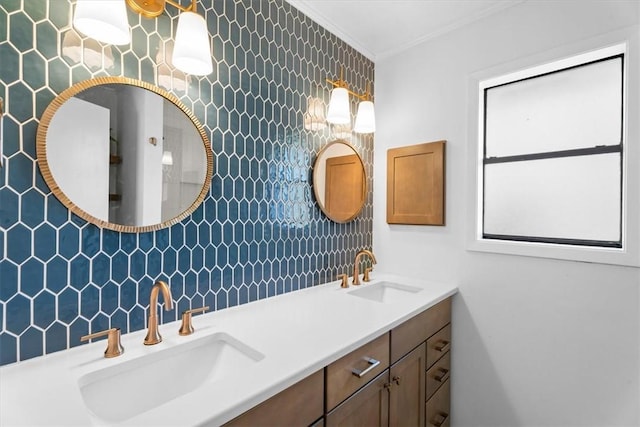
41,150
320,201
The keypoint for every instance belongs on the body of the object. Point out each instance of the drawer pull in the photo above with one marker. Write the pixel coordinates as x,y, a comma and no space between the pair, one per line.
371,361
439,419
396,380
444,374
442,346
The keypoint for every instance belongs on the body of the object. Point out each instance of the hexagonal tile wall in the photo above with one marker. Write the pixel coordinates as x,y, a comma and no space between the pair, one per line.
258,233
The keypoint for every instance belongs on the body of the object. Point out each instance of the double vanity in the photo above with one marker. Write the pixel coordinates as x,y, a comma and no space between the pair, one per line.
323,355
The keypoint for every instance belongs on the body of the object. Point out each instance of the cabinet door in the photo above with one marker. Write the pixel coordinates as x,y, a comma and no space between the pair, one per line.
406,400
299,405
369,407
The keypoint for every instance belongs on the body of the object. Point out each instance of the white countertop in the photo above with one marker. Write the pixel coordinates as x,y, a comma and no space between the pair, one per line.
298,333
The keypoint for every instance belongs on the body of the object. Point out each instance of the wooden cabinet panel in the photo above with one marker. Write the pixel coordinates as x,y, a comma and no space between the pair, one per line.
341,380
407,392
415,184
438,374
369,407
438,407
416,330
299,405
438,345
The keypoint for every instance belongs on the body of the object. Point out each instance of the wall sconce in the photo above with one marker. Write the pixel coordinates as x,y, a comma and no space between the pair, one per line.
339,112
106,21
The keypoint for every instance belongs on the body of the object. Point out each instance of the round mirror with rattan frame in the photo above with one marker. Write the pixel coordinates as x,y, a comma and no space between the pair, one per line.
340,181
43,161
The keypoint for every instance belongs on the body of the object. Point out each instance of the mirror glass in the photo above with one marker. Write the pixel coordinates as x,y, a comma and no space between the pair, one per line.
124,154
339,181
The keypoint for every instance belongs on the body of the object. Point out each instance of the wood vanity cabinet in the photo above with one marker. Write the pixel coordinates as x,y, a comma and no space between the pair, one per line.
400,378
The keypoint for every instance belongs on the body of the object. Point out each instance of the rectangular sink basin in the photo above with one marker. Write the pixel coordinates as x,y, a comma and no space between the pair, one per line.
127,389
385,292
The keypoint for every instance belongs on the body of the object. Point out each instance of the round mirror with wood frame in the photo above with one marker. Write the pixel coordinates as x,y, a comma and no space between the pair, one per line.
340,181
124,154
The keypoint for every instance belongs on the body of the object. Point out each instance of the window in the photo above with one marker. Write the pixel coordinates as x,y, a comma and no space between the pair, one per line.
557,171
552,164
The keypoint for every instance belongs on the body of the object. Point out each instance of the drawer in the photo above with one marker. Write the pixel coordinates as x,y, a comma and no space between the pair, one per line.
369,406
348,374
299,405
438,407
416,330
438,345
438,374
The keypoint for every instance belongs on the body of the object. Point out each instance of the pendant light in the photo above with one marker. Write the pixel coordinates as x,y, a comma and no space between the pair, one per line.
339,112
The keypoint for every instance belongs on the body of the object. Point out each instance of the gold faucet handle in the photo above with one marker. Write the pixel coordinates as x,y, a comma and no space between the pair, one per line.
187,328
366,277
114,346
345,280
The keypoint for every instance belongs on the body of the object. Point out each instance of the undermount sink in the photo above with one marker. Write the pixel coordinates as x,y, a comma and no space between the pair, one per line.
122,391
385,292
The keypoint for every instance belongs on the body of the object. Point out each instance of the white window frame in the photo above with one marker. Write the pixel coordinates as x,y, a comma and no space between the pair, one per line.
625,42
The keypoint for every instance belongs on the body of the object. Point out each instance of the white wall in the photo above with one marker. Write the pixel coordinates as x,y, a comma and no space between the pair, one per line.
537,342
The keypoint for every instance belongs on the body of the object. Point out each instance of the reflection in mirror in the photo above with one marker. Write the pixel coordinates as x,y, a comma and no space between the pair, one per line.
124,154
339,181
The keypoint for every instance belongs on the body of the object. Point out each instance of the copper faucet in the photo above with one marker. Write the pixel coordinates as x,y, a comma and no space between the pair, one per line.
356,265
153,335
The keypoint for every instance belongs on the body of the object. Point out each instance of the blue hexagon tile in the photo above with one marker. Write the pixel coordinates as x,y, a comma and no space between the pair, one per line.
258,233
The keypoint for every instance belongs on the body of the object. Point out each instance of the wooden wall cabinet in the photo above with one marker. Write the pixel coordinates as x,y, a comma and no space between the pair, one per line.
403,381
416,184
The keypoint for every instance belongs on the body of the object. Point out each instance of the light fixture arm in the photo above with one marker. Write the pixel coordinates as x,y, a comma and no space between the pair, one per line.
153,9
343,84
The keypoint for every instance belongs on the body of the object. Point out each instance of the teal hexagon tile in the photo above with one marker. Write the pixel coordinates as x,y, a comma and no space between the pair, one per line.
90,302
4,35
57,214
9,345
46,39
56,337
18,314
21,29
37,10
29,131
79,272
23,109
100,269
90,240
60,15
67,305
32,208
77,329
18,243
44,313
31,277
58,74
31,343
44,242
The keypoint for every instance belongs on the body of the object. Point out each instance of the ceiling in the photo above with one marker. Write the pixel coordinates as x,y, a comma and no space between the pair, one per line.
380,28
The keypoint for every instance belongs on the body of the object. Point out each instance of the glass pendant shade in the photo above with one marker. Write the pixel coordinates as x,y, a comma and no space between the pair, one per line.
103,20
366,118
338,112
192,50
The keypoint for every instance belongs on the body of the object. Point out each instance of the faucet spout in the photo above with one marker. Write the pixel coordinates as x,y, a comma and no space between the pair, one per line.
356,264
153,335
